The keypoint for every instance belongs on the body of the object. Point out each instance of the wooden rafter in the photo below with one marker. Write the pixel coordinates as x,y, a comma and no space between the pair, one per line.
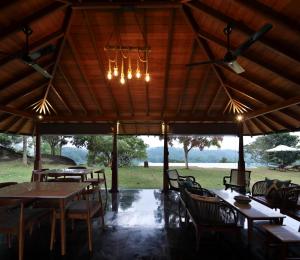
272,108
22,76
279,121
266,65
26,91
22,125
6,3
258,125
14,111
11,124
61,99
267,122
4,117
13,27
84,77
33,46
202,88
213,100
187,77
100,61
250,129
71,88
168,59
270,44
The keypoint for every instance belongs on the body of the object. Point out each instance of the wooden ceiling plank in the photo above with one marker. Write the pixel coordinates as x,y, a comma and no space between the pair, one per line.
100,61
84,77
21,126
213,100
32,88
168,59
12,123
258,125
270,44
71,88
61,99
250,129
33,46
200,91
266,65
17,26
4,116
267,124
279,121
6,3
16,112
22,76
187,77
272,108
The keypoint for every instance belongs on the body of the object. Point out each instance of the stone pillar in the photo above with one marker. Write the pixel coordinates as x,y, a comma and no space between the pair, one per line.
37,159
241,163
166,159
114,163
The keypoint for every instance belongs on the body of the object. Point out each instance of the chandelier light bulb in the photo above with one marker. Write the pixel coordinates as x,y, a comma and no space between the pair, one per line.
147,77
138,73
109,75
129,74
116,71
122,79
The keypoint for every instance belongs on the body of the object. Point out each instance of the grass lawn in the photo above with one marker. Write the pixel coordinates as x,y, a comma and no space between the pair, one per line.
139,177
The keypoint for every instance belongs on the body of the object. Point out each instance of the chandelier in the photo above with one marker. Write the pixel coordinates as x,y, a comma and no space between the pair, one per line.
127,63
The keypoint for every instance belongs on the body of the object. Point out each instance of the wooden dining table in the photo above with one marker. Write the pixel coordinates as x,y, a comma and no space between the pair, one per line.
83,173
252,211
43,190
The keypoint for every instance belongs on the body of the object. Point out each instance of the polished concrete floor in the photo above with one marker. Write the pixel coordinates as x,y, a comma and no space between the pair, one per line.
139,224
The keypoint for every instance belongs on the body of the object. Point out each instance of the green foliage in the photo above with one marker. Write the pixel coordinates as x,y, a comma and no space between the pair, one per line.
100,148
258,148
9,140
55,142
223,160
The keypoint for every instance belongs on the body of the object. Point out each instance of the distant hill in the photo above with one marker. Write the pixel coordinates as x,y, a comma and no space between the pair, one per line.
79,155
155,154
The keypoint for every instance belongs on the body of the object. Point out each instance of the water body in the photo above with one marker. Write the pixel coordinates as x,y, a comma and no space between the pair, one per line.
201,165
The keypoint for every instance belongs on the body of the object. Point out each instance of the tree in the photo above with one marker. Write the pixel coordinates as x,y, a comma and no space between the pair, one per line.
100,148
223,160
55,142
24,149
258,148
5,140
194,141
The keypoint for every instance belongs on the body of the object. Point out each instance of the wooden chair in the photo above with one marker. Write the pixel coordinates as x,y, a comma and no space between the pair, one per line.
211,214
232,181
173,177
38,175
86,209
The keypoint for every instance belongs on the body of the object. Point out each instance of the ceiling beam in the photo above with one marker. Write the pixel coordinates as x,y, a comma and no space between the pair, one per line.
129,5
6,3
258,125
100,61
61,99
38,14
272,108
250,129
16,112
279,121
187,77
33,47
21,126
267,123
269,43
71,88
11,124
168,59
248,56
213,100
138,118
83,75
21,76
4,116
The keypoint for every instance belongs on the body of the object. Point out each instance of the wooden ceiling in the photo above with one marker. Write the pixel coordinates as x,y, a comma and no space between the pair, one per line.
178,33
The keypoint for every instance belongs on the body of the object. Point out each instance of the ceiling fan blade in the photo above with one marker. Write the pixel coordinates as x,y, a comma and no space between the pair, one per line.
235,66
253,38
41,52
39,69
204,62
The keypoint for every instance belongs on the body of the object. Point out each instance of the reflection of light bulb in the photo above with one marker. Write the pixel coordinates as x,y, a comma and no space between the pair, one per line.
109,75
122,79
147,77
138,73
116,71
129,74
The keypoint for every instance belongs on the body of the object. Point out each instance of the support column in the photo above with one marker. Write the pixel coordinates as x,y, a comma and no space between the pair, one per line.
37,159
166,158
241,163
114,163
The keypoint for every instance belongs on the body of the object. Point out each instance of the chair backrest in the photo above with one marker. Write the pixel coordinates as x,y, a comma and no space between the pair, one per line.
37,175
173,179
234,178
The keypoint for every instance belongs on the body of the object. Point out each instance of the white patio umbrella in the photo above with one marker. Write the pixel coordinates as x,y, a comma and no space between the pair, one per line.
282,148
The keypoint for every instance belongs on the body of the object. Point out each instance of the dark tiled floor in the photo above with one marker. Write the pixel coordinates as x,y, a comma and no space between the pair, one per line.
140,224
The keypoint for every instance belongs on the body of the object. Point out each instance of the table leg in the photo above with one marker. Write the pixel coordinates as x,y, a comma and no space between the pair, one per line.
250,230
21,232
62,226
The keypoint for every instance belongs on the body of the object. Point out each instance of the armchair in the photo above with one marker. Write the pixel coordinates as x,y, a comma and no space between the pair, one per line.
231,181
174,177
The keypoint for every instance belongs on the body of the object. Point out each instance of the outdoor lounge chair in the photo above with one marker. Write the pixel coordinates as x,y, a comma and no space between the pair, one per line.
173,177
231,181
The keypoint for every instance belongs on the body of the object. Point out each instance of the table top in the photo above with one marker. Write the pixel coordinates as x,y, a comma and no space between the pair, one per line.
43,190
253,210
68,171
283,233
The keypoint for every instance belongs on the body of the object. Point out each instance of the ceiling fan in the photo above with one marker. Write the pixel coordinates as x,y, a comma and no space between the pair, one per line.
230,58
30,58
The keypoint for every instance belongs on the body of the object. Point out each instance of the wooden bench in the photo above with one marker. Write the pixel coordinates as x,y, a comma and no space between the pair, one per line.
284,235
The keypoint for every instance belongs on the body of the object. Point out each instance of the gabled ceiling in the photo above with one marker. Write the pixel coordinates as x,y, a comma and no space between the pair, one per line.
178,33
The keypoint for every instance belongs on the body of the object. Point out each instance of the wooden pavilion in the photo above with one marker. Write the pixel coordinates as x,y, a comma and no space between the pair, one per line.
73,45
